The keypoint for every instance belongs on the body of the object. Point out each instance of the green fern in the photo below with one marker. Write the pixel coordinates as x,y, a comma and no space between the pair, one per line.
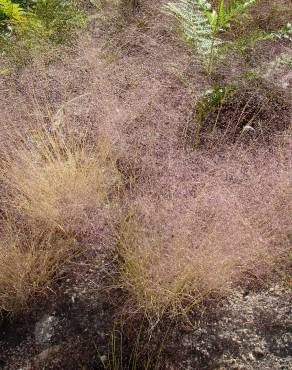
201,24
232,11
249,39
195,19
11,11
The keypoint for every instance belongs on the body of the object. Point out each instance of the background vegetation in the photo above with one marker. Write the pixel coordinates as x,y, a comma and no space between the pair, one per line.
144,168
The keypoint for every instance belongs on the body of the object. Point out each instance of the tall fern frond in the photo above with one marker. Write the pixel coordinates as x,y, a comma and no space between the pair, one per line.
11,10
233,10
201,25
196,18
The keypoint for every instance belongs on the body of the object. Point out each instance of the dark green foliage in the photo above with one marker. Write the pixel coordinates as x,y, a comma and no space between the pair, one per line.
248,109
32,27
24,3
212,101
58,17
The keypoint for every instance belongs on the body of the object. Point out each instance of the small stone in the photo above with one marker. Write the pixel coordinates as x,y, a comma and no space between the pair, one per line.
103,358
259,352
45,329
251,356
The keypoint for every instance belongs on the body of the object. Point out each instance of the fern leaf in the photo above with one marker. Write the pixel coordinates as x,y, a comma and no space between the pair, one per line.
234,9
221,11
196,18
11,10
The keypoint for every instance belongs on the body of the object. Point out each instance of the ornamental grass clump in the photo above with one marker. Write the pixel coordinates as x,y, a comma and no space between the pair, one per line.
56,179
180,252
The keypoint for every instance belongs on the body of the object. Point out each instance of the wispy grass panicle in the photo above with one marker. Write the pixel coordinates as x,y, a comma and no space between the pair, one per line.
178,254
30,263
55,178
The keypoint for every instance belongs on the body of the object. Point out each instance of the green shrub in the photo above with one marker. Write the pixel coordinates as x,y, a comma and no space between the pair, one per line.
10,12
32,28
57,18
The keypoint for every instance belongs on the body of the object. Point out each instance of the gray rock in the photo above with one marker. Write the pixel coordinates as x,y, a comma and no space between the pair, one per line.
103,359
45,329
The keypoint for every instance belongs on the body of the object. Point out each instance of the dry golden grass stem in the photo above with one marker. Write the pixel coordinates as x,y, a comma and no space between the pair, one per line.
51,183
30,264
55,178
